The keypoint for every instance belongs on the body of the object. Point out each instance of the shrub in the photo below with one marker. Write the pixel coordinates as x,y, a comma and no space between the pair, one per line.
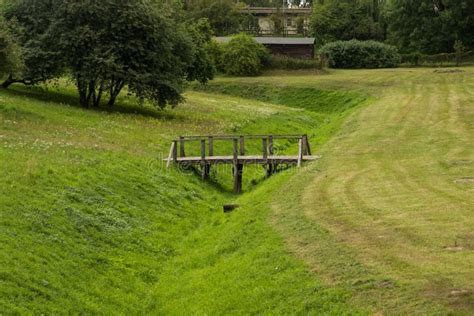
288,63
215,51
360,54
243,56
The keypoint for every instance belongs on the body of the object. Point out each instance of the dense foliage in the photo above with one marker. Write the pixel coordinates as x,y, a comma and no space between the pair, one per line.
430,26
30,22
289,63
344,20
110,45
360,54
223,15
243,56
10,59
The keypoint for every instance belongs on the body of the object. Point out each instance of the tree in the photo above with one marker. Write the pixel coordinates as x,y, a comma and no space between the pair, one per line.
10,59
29,22
111,45
344,20
243,56
203,66
430,26
223,15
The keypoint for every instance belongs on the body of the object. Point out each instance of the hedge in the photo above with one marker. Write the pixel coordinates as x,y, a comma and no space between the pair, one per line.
289,63
360,54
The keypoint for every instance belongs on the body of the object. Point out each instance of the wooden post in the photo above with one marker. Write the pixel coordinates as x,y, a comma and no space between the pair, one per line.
172,154
238,168
242,145
205,168
300,152
264,148
270,144
181,147
235,151
211,146
271,166
175,151
308,148
305,144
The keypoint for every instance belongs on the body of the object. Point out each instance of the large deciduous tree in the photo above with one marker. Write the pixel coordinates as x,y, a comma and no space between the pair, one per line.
430,26
29,22
346,20
10,56
109,45
223,15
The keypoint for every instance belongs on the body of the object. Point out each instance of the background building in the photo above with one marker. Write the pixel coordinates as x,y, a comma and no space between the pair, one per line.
278,21
297,47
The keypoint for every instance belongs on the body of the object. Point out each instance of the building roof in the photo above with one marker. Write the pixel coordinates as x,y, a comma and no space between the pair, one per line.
272,10
275,40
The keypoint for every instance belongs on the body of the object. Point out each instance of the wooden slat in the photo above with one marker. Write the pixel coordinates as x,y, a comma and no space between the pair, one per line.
246,159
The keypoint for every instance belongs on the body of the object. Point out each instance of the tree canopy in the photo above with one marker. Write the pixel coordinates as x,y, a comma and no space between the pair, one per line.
430,26
110,45
345,20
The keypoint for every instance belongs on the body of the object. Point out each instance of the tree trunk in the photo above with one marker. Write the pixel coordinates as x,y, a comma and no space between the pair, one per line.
82,88
8,82
114,92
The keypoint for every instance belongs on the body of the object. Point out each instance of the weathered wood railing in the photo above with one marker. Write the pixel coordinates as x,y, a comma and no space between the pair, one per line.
238,158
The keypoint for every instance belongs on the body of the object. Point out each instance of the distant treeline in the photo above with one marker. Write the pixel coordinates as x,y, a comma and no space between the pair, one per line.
421,26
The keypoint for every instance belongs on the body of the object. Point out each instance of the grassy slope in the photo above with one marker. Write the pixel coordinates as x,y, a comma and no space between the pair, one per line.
91,221
388,212
381,221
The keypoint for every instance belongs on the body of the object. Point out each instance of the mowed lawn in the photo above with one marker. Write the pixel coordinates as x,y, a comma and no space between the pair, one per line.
389,210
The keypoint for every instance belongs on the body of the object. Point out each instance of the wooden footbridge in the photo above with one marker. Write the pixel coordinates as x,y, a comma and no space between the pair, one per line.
268,159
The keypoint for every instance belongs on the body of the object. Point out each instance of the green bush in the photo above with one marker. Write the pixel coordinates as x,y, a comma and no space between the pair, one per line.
243,56
360,54
288,63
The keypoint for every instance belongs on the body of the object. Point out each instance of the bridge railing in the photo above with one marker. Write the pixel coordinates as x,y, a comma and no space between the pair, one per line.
207,145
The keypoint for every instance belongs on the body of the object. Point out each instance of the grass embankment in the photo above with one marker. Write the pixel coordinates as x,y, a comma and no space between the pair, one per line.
387,213
92,222
383,222
386,219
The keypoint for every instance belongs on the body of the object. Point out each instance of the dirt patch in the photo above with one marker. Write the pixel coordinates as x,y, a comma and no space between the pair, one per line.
465,180
448,71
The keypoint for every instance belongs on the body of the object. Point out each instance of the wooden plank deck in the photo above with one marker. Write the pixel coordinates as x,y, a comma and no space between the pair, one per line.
243,160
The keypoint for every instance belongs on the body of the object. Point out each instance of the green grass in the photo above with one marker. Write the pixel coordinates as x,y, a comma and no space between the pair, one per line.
92,222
